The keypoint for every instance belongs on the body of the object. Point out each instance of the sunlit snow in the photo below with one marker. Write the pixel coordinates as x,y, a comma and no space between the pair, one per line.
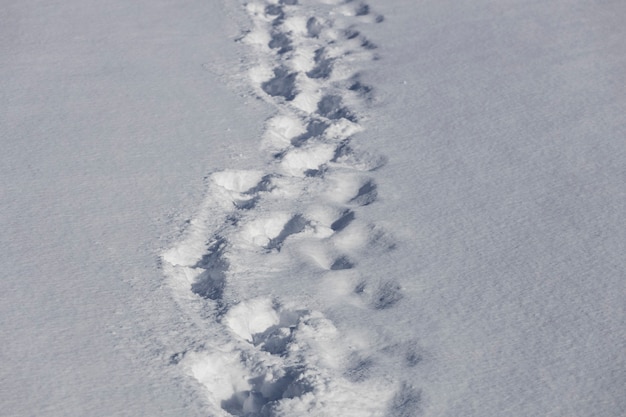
313,208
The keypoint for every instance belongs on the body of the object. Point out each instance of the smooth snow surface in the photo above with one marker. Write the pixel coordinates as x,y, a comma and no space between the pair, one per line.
108,121
313,208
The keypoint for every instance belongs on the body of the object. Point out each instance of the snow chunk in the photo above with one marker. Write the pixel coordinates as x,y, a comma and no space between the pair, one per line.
280,129
237,180
252,317
222,373
298,161
260,231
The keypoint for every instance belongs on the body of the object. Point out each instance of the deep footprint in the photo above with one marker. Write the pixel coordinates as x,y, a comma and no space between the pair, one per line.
323,65
331,107
270,356
211,283
282,85
314,128
341,263
295,225
342,222
366,195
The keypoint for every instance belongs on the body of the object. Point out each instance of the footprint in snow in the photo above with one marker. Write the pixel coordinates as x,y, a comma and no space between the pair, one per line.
280,361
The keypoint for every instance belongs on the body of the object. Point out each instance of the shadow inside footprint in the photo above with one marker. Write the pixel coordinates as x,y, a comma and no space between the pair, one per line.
382,297
386,295
367,44
295,225
247,204
412,357
342,222
264,185
315,172
343,149
323,65
406,402
331,107
313,27
341,263
276,12
274,341
313,129
361,89
265,393
273,10
281,42
363,10
283,84
351,33
212,281
367,194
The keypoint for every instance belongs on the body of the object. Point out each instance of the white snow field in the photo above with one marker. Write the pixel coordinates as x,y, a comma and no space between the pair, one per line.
313,208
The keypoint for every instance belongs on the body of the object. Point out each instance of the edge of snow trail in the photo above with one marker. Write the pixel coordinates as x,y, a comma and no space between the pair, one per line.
272,248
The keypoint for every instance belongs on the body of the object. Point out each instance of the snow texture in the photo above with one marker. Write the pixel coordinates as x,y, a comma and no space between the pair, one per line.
297,220
276,208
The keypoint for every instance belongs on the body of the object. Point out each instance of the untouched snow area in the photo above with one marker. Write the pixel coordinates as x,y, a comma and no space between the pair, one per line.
109,121
313,208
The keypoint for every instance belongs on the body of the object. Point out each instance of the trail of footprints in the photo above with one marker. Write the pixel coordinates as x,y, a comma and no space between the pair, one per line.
276,356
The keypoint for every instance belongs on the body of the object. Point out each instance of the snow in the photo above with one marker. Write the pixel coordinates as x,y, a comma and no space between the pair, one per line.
312,208
108,122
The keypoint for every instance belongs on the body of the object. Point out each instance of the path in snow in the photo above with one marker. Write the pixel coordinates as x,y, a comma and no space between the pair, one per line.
295,226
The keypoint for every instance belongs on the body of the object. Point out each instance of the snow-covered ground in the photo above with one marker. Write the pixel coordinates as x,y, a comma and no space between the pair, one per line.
313,208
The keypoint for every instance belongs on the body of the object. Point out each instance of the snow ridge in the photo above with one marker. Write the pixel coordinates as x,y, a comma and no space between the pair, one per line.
293,227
